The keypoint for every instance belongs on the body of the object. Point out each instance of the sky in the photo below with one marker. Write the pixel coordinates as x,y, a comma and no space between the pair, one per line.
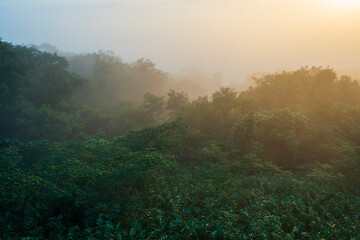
235,37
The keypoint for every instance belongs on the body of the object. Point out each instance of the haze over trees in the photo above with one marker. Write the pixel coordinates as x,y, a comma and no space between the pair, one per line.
96,148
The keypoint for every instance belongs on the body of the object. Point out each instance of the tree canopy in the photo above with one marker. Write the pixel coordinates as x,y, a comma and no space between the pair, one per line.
95,148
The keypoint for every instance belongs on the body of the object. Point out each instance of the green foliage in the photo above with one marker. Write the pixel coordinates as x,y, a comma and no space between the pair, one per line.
41,99
278,161
278,136
101,190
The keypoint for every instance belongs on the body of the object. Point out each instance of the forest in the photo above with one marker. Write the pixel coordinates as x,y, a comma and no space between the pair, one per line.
92,147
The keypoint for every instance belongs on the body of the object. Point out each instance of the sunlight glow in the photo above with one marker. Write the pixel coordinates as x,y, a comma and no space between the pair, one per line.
346,3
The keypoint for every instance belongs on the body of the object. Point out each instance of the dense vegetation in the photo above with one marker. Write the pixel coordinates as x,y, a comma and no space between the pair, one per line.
79,159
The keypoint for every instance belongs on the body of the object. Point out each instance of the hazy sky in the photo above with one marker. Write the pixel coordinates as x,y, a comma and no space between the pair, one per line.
235,37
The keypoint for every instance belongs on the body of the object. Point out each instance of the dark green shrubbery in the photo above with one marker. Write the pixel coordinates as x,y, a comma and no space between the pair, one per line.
101,190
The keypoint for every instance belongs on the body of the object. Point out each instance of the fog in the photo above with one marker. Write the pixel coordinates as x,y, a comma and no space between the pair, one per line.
236,38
